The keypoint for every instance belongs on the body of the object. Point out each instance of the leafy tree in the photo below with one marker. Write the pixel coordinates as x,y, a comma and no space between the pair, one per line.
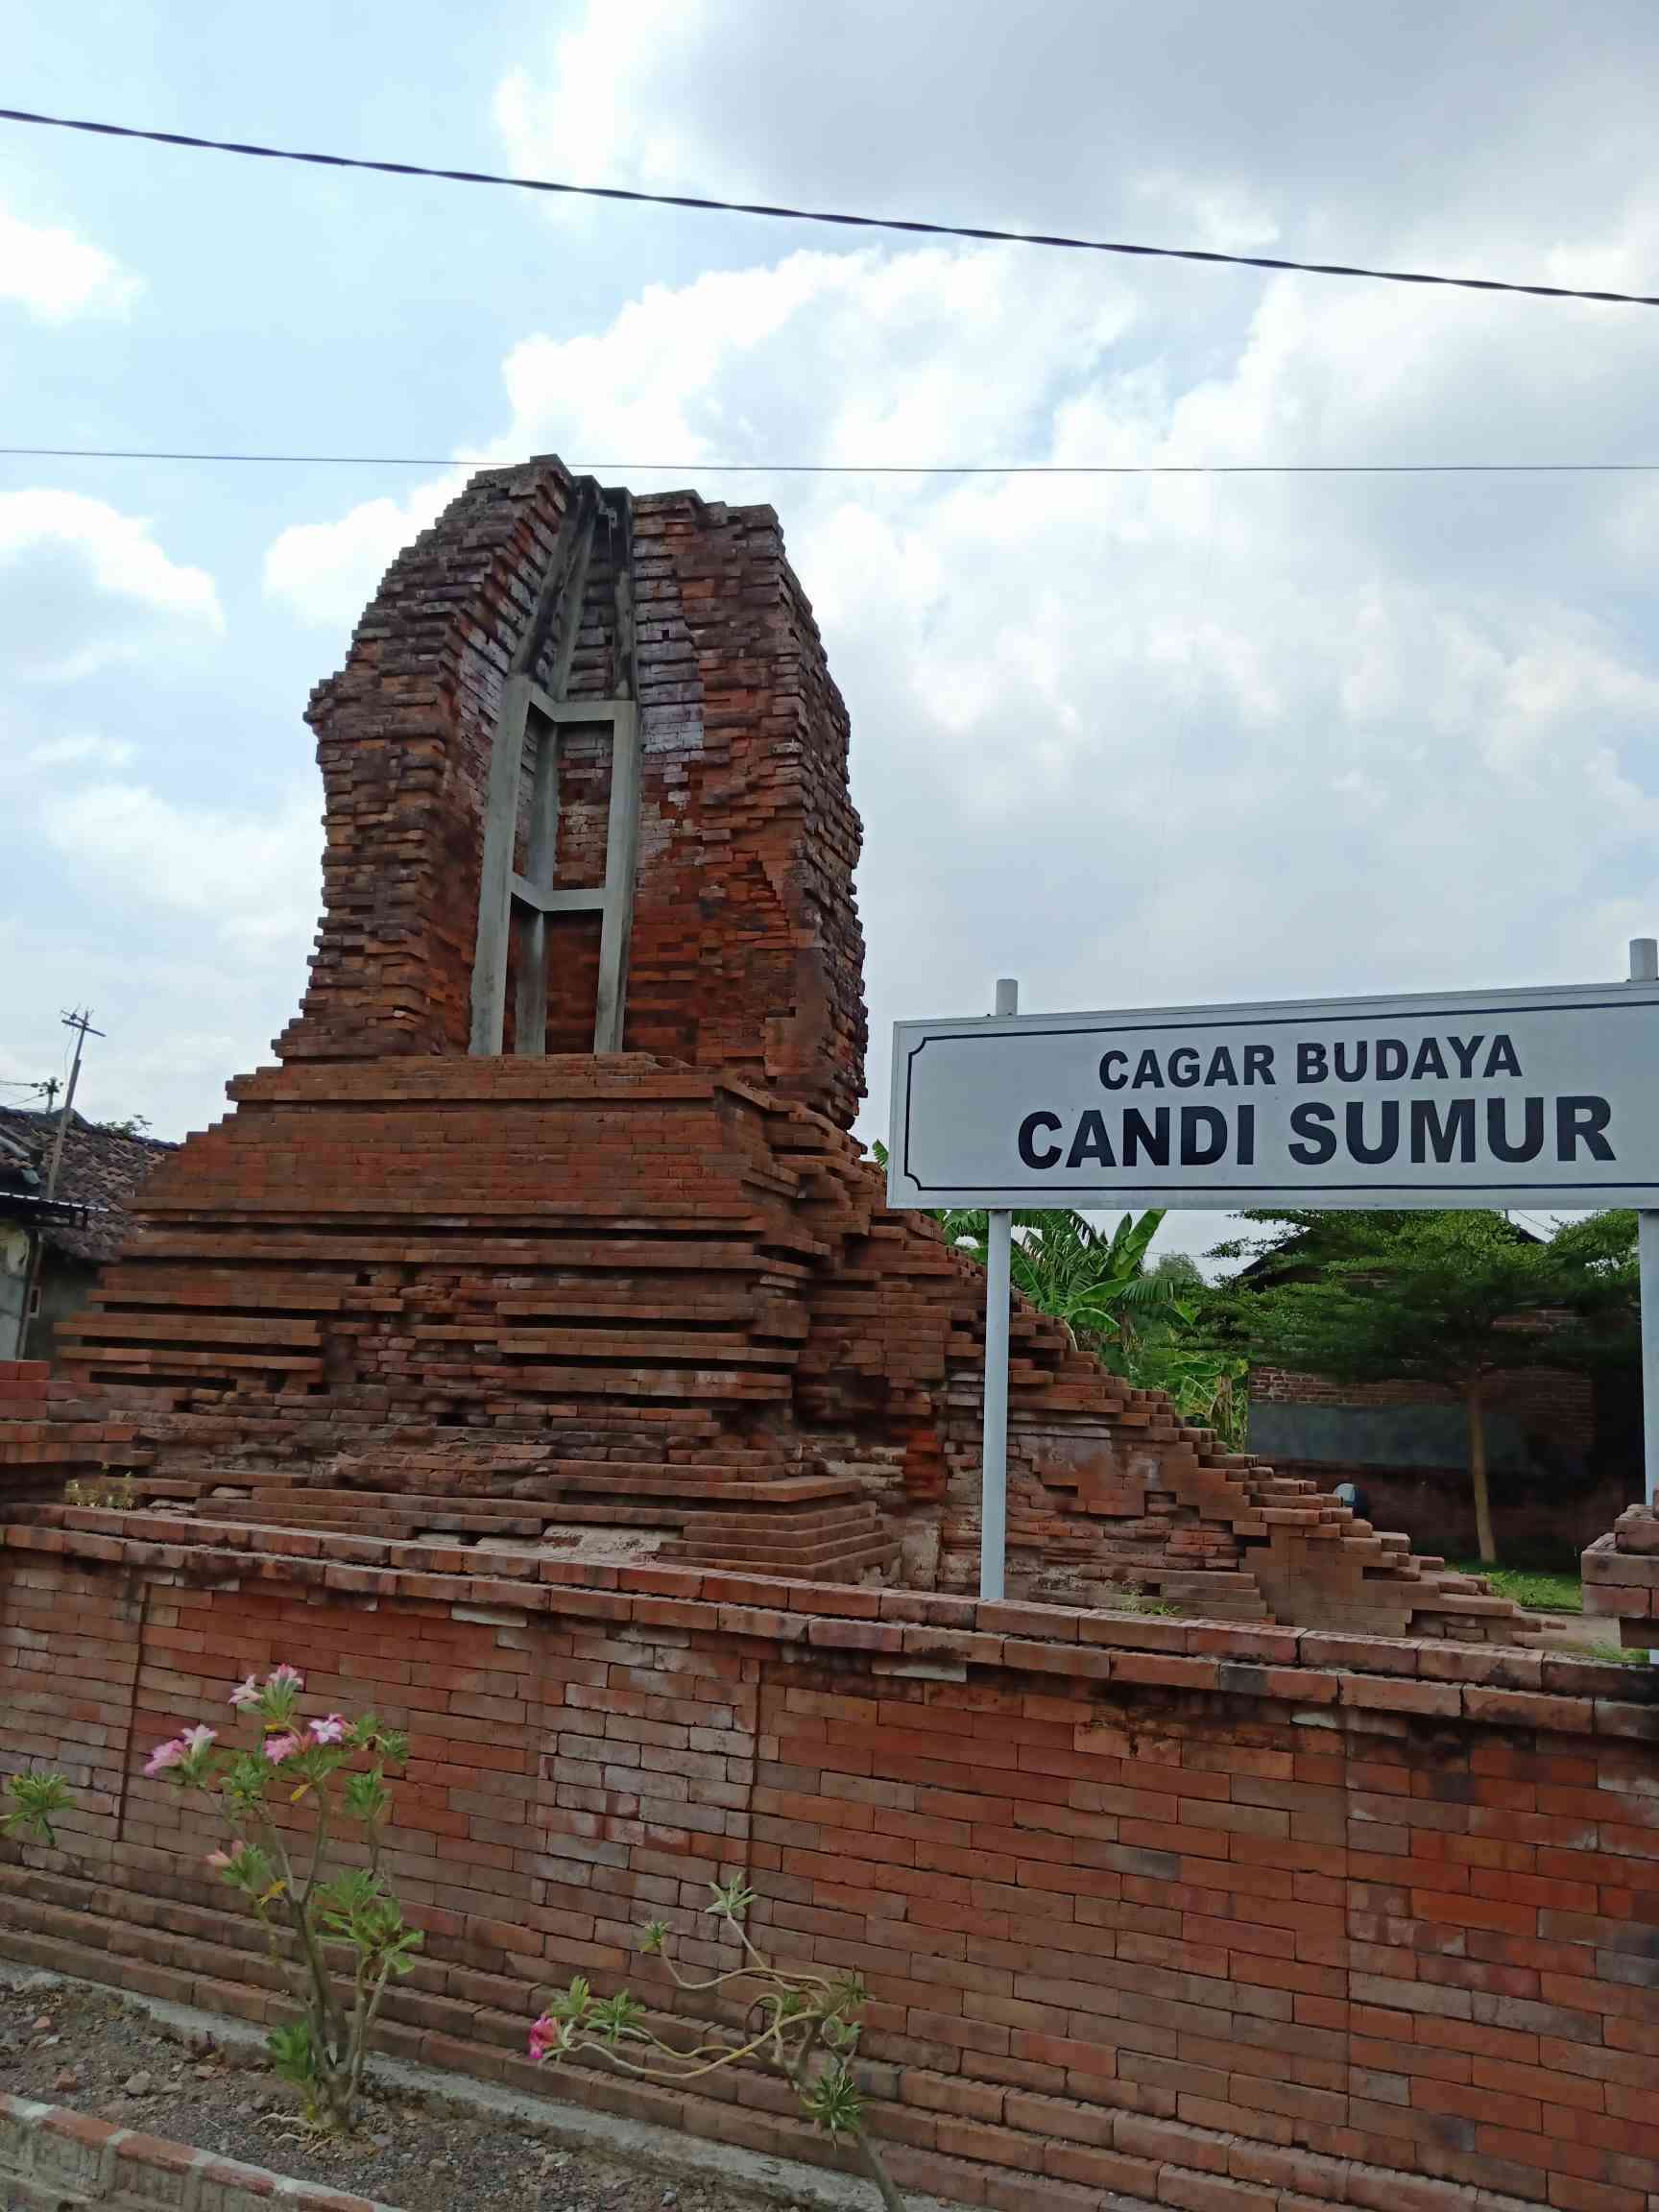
1445,1298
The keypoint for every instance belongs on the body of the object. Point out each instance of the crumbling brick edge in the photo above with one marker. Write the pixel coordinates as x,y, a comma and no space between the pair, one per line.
47,2149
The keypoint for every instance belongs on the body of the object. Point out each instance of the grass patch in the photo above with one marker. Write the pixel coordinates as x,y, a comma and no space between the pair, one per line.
1609,1654
1538,1587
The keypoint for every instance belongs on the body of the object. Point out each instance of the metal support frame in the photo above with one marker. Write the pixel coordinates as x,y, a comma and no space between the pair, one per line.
527,735
994,1450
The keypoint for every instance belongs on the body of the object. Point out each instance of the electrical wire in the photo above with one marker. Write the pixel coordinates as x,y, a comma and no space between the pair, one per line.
862,469
910,224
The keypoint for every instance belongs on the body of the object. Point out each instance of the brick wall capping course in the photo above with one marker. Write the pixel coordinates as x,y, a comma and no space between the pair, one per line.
1489,1683
50,2150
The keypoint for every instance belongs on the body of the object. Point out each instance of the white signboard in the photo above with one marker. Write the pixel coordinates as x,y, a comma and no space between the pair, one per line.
1547,1097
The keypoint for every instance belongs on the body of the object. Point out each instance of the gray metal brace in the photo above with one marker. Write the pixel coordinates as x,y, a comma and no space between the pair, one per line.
527,730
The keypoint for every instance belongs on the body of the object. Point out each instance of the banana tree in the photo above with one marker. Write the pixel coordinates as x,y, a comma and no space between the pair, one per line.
1095,1281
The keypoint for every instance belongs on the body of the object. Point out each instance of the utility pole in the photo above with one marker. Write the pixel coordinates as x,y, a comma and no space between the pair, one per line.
82,1024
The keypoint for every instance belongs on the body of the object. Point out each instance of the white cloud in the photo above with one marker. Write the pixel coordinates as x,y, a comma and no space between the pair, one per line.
1143,740
86,749
582,124
1376,736
250,876
55,275
328,572
118,550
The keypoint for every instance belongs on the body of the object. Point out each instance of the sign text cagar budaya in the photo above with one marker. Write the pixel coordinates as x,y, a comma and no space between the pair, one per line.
1535,1097
1510,1125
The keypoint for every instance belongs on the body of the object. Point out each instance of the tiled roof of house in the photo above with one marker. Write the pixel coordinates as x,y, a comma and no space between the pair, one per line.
101,1171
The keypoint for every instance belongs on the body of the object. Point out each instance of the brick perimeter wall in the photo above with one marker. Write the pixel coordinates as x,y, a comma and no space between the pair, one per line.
1245,1920
1553,1398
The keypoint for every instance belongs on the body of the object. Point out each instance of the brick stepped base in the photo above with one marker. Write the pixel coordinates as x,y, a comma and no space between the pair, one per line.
821,1527
51,1431
458,1279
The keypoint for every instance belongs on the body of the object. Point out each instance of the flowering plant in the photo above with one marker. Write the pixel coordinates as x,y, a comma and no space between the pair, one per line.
804,2026
31,1798
319,1765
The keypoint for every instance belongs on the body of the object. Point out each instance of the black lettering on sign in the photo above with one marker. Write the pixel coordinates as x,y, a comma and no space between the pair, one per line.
1583,1117
1090,1141
1447,1138
1111,1065
1427,1062
1028,1132
1142,1137
1531,1133
1392,1058
1388,1138
1196,1151
1465,1053
1311,1064
1312,1122
1184,1068
1220,1069
1246,1136
1501,1060
1147,1072
1259,1064
1349,1060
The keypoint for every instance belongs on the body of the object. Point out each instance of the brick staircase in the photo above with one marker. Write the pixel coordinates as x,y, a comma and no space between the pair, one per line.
1289,1532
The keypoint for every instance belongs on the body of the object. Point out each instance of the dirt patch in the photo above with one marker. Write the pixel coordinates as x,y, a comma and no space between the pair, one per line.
93,2050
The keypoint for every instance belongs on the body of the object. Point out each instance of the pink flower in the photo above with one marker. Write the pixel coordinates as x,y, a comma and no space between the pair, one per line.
547,2035
219,1861
285,1677
246,1694
329,1730
164,1755
280,1748
197,1740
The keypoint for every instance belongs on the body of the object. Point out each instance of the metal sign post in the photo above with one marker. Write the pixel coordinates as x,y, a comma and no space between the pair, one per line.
994,1452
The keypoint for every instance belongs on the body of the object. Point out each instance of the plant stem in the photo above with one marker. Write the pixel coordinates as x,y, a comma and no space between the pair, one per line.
872,2162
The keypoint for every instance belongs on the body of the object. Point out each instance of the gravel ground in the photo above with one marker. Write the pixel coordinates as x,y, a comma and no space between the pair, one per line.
91,2049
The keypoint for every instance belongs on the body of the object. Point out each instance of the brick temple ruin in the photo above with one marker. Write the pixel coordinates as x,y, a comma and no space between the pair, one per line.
548,1228
531,1354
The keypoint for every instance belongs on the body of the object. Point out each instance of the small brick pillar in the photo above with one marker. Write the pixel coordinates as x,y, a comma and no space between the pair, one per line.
1621,1577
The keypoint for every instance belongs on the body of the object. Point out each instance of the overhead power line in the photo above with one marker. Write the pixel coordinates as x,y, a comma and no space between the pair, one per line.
909,225
861,468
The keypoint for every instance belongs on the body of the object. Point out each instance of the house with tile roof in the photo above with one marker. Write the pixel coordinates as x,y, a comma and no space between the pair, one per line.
52,1247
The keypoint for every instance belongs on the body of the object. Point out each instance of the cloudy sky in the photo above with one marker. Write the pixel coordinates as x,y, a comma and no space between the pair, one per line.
1132,740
